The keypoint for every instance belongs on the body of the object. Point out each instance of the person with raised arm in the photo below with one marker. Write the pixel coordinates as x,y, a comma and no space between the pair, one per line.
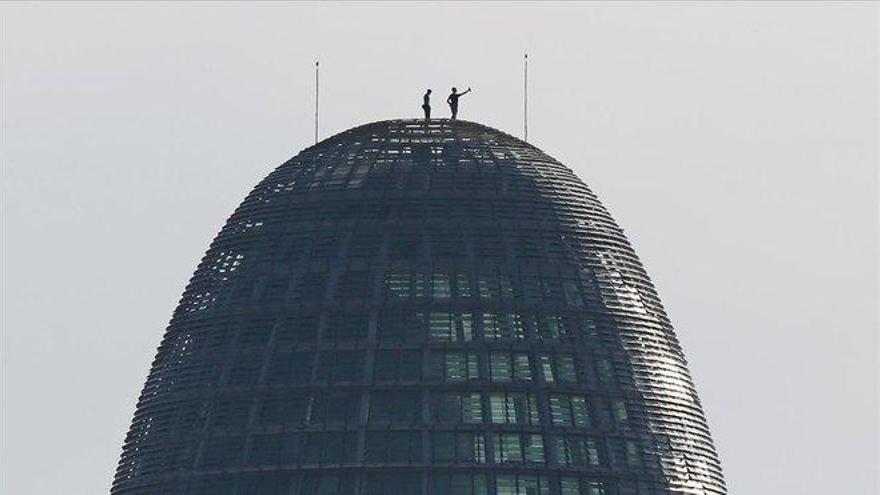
453,101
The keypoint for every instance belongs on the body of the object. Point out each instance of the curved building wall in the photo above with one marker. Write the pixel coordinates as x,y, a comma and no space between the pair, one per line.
435,309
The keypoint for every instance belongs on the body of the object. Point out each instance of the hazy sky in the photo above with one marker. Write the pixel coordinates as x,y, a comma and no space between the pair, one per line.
737,145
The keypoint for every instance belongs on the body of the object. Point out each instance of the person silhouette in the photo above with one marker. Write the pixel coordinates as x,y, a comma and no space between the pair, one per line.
453,101
426,105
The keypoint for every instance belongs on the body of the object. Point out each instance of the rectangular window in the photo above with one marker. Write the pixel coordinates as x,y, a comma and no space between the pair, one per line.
533,449
393,447
388,483
441,286
457,484
569,410
565,368
283,408
397,285
569,486
346,328
395,407
522,371
605,371
618,408
513,408
450,327
400,327
450,407
393,365
333,406
503,327
327,447
500,367
572,293
340,366
456,366
546,368
521,484
290,367
577,451
507,448
462,285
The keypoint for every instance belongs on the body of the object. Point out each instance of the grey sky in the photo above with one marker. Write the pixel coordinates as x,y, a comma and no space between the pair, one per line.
737,144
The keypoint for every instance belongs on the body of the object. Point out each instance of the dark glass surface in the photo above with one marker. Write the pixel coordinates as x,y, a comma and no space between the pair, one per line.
435,309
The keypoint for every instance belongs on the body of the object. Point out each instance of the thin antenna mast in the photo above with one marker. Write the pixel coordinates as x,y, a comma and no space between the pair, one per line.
526,97
316,100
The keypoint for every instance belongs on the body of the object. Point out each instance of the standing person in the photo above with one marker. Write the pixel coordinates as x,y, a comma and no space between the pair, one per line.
453,101
426,105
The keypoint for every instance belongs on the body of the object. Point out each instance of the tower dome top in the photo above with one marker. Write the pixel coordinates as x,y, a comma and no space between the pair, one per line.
425,308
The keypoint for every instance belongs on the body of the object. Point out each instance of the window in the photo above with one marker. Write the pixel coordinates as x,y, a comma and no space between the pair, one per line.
334,406
494,286
250,485
451,327
400,327
558,367
456,366
507,448
518,448
506,367
565,368
458,484
397,365
406,246
572,293
458,447
222,452
311,286
290,367
618,408
346,328
229,414
605,371
625,453
354,285
533,449
296,330
513,408
577,451
546,368
393,446
328,447
451,407
513,484
283,408
397,285
462,285
570,486
570,410
323,484
503,327
441,286
390,483
340,366
395,407
273,449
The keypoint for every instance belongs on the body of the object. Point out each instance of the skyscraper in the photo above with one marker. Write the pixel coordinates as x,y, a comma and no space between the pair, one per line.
412,308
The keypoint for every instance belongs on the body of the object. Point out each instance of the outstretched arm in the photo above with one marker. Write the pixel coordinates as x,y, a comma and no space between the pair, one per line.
466,92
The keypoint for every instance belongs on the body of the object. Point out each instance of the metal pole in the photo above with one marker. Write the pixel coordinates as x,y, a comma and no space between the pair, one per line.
316,101
526,97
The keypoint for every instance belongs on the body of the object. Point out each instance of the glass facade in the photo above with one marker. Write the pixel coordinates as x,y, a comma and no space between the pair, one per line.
426,309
